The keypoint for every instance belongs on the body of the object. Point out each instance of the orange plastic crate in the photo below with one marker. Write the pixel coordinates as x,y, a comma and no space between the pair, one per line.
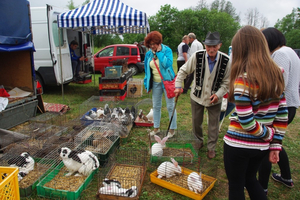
180,190
9,185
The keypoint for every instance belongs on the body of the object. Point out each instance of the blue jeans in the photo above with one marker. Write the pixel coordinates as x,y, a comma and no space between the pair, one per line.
157,91
75,68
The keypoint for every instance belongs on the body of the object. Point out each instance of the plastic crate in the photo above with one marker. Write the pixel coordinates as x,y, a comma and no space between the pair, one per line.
85,79
114,86
185,158
175,188
135,88
113,72
9,185
47,192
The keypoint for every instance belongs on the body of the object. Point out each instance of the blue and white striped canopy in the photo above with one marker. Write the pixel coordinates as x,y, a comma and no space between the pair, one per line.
105,17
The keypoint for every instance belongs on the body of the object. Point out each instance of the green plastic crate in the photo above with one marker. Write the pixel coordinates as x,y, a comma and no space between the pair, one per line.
179,159
61,194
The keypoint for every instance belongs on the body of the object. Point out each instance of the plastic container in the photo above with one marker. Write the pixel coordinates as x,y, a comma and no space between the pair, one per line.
9,185
175,188
113,72
47,192
112,86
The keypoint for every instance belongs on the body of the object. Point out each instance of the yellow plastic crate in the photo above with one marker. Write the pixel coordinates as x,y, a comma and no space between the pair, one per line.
181,190
9,185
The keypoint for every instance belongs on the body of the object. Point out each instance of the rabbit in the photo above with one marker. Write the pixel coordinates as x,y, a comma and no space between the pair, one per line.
24,162
111,187
194,182
80,161
157,148
168,169
131,192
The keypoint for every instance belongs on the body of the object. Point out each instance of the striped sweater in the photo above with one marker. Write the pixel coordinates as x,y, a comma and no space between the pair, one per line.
256,125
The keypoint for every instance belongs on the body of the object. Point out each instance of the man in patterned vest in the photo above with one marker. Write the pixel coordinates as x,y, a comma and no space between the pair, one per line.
211,82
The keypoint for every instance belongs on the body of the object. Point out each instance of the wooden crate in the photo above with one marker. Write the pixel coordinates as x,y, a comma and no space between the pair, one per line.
135,88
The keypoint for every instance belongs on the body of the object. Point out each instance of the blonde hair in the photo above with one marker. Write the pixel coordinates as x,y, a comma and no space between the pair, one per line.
250,54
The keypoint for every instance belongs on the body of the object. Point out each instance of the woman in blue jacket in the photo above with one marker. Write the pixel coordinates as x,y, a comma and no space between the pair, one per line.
162,56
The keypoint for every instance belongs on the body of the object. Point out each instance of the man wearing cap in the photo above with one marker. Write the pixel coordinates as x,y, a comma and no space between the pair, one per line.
195,46
211,83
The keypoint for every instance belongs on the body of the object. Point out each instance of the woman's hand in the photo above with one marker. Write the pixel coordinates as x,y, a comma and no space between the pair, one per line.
274,157
158,48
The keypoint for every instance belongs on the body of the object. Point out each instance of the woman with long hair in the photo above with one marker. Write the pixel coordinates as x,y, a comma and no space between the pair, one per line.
259,122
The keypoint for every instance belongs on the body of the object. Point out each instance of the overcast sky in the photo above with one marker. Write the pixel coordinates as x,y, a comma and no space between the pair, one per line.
271,9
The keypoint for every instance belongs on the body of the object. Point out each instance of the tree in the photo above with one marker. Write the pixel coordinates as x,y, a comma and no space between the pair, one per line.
254,18
71,5
290,27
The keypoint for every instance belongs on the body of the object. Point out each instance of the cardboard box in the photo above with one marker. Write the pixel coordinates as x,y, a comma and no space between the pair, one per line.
135,88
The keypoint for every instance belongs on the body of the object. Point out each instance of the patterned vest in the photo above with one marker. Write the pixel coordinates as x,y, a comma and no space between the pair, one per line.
200,72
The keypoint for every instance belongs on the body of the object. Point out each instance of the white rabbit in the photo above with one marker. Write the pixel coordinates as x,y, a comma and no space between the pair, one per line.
110,190
157,148
24,162
150,115
168,169
194,182
80,161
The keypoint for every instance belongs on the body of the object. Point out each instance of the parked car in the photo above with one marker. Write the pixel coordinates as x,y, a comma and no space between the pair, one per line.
297,52
134,53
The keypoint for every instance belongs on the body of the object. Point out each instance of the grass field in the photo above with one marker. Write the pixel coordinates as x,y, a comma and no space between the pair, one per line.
76,94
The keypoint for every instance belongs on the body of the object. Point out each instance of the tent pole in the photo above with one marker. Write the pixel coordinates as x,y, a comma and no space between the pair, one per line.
60,63
92,50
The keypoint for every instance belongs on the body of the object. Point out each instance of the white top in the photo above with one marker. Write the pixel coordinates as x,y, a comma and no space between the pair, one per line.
196,46
286,58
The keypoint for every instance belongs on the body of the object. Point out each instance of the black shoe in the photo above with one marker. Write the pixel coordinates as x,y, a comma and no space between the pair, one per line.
278,178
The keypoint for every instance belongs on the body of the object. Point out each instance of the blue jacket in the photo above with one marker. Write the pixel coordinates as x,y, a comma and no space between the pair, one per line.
73,55
165,58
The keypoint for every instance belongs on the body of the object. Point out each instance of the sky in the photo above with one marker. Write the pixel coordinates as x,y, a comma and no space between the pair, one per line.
271,9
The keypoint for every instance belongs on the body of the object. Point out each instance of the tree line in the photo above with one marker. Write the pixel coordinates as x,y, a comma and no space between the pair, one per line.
219,16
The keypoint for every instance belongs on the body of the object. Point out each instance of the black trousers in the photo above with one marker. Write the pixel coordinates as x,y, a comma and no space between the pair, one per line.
241,166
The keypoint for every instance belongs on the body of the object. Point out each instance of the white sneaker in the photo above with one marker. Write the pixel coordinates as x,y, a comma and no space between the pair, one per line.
154,132
170,134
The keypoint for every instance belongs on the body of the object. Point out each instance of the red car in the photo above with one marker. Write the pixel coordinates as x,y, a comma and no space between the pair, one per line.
134,53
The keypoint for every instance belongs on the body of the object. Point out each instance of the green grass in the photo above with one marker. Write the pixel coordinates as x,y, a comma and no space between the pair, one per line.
76,94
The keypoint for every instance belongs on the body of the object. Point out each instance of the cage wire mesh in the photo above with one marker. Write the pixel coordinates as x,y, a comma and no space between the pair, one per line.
123,174
73,170
100,138
31,167
144,116
182,147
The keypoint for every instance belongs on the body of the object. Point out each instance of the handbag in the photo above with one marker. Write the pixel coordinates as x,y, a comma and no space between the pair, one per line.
169,85
224,103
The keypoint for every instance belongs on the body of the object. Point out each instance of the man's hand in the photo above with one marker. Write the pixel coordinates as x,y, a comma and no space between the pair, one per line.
213,99
81,58
178,92
274,157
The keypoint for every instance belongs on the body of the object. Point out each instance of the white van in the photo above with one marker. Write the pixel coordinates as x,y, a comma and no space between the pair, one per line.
48,46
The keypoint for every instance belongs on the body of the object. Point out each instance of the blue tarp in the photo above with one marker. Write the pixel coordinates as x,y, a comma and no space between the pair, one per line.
14,22
21,47
105,17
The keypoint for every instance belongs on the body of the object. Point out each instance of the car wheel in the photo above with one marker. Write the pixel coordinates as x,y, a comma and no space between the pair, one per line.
134,69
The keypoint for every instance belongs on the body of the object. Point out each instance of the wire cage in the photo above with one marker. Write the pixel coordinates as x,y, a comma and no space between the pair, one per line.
100,138
144,116
74,169
135,87
31,167
123,175
182,147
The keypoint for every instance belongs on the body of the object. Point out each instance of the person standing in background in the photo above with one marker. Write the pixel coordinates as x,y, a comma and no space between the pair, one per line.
76,60
195,46
286,58
182,52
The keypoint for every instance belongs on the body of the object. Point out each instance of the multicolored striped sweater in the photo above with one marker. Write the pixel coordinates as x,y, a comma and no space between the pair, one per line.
256,125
